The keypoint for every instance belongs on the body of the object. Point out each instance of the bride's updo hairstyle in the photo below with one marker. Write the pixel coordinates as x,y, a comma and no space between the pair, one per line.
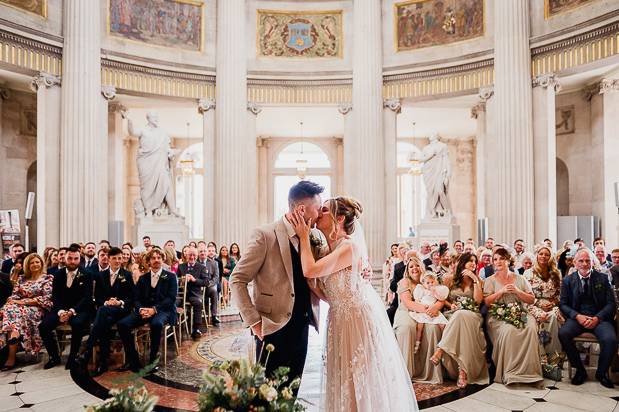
348,207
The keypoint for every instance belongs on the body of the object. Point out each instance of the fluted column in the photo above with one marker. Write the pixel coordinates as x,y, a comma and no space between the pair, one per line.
350,148
391,109
483,146
251,165
513,126
545,88
369,167
206,107
231,181
48,92
117,167
83,214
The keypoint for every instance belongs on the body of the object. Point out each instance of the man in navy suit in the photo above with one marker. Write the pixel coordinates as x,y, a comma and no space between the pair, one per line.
114,296
155,304
15,250
197,278
588,304
73,305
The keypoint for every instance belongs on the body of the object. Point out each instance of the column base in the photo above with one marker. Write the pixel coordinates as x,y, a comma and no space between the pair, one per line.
436,230
161,228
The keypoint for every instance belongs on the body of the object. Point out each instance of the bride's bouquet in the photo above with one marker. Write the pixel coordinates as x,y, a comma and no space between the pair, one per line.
512,313
239,386
466,303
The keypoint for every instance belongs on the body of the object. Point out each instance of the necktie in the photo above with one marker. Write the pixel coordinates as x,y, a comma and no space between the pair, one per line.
70,277
113,279
153,280
585,288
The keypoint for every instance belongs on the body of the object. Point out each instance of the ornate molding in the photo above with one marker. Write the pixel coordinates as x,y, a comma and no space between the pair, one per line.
395,105
116,107
344,108
547,80
4,93
254,108
485,93
601,87
44,80
108,92
478,108
205,104
586,37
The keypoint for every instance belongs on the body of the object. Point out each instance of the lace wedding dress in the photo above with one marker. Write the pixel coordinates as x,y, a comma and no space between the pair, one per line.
365,370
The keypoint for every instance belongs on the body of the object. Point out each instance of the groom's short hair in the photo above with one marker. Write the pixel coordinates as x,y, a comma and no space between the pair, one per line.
303,190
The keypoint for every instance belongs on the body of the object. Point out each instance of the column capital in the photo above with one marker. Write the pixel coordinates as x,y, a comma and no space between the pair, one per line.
345,108
601,87
108,92
254,108
4,92
485,93
44,79
205,104
478,108
116,107
394,105
547,80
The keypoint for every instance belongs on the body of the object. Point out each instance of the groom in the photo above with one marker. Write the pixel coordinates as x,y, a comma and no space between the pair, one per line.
282,305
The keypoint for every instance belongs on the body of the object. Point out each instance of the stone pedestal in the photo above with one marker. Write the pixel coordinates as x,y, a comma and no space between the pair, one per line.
436,230
162,227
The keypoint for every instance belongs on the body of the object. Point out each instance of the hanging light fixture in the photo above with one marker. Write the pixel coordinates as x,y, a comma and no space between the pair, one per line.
415,164
301,161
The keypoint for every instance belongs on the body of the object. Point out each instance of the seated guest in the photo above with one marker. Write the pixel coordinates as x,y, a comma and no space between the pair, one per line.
127,261
72,299
195,275
102,264
227,266
515,350
526,263
15,250
62,252
435,266
485,268
90,255
614,270
170,262
398,273
155,305
588,304
31,298
113,300
6,288
212,274
52,259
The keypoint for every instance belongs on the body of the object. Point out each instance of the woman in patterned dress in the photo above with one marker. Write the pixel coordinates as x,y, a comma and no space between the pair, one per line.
22,313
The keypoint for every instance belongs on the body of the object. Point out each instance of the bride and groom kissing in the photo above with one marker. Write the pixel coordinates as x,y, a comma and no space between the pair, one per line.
365,370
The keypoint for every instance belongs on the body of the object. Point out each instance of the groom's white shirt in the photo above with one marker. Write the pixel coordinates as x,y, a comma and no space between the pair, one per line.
292,235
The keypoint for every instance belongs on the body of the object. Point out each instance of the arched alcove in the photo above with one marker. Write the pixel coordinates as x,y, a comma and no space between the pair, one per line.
563,189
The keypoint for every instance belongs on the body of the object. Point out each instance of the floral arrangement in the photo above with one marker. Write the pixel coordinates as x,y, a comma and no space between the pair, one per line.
236,385
466,303
552,365
512,313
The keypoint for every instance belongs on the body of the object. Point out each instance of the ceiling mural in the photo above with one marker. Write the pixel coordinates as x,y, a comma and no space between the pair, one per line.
34,6
299,34
554,7
169,23
425,23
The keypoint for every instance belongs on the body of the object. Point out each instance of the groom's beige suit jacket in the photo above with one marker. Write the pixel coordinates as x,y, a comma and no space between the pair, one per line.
267,263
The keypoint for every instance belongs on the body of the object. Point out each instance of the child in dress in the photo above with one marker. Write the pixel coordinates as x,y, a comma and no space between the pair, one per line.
428,292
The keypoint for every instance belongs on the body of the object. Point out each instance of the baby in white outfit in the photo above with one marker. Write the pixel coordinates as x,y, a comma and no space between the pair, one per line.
428,292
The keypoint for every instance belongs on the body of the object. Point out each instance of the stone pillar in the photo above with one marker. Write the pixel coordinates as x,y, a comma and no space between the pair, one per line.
251,163
83,214
513,127
206,107
263,180
545,88
339,153
48,92
391,109
117,169
605,147
231,181
482,148
349,149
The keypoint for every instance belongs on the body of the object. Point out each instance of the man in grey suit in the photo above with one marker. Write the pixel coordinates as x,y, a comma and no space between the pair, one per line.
282,304
212,275
195,276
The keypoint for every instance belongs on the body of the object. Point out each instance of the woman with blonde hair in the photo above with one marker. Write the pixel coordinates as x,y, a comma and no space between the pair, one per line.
51,261
22,313
127,262
170,260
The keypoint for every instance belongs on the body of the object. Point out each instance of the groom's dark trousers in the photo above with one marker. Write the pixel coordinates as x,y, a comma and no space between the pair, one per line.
290,342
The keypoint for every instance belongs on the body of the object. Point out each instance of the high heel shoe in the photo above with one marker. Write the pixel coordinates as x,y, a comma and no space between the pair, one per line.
436,359
461,383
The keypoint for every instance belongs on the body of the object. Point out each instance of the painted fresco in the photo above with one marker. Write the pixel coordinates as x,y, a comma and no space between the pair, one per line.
169,23
553,7
34,6
299,34
425,23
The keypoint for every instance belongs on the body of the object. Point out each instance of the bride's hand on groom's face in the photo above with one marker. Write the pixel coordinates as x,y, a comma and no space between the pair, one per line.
301,228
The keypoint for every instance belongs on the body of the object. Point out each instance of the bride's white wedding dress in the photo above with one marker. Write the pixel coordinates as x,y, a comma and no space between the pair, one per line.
365,370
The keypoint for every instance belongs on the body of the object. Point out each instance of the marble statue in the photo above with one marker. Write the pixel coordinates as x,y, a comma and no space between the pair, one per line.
154,156
436,172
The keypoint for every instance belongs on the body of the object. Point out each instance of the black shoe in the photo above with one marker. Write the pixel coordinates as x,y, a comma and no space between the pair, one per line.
100,370
605,381
71,363
579,378
82,360
215,320
51,363
196,335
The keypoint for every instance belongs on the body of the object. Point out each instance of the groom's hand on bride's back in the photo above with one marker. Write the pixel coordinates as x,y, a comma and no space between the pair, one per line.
257,330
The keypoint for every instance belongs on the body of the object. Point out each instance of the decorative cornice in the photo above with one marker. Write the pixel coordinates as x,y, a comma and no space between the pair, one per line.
345,108
575,40
254,108
601,87
547,80
30,30
395,105
30,44
116,107
478,108
299,83
485,93
445,71
44,80
205,104
108,92
136,68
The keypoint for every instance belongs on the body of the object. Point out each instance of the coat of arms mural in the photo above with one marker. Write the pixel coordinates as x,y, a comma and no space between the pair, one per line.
299,34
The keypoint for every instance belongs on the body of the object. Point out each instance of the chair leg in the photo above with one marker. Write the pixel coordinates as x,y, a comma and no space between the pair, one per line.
176,341
187,323
165,345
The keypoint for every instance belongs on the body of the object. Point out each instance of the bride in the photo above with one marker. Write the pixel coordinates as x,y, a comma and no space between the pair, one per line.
365,370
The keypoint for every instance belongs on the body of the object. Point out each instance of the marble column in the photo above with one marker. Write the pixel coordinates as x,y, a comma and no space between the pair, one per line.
605,147
251,164
369,166
117,168
231,181
48,92
391,109
513,126
349,149
483,145
83,214
263,180
206,107
545,88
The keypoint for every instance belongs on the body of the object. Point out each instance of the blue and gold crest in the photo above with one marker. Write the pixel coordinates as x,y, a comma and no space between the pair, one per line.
299,36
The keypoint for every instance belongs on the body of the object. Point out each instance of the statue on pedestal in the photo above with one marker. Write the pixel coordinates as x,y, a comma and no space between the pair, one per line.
436,172
153,159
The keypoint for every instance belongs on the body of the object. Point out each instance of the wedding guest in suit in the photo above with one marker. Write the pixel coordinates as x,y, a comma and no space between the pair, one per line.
196,277
614,270
15,250
212,274
72,298
103,263
172,244
105,244
89,260
155,304
114,300
526,263
62,253
398,274
588,303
